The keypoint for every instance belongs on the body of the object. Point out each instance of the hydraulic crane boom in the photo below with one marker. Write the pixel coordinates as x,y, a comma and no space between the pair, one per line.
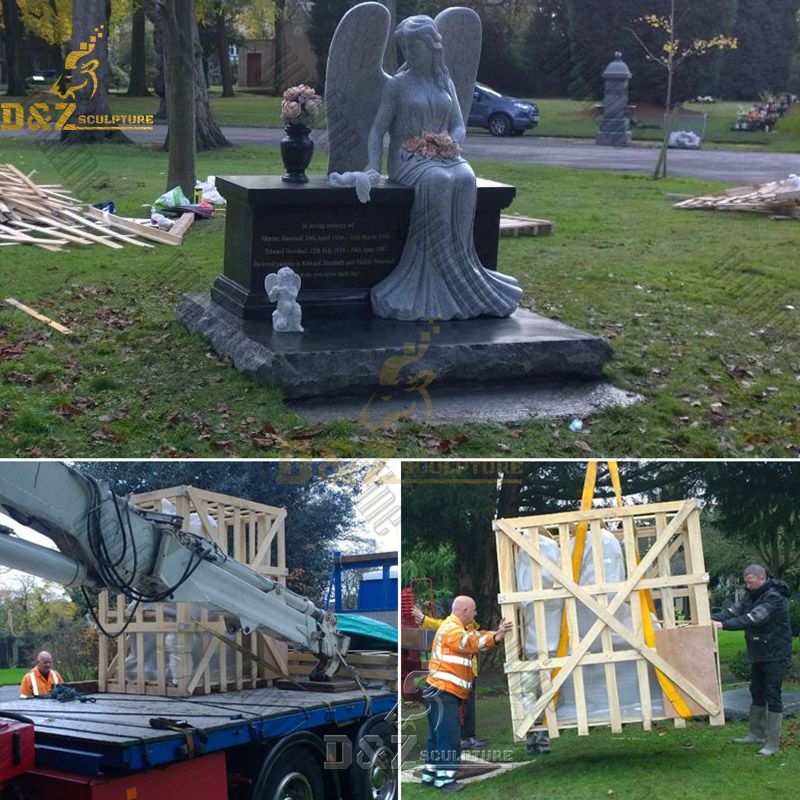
104,542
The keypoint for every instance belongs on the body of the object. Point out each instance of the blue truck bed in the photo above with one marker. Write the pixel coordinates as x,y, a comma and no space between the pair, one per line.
113,734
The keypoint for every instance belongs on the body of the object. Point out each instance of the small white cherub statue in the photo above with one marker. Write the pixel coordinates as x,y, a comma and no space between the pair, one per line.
282,288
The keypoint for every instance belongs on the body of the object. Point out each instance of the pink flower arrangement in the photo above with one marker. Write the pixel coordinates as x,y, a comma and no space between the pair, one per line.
300,105
433,144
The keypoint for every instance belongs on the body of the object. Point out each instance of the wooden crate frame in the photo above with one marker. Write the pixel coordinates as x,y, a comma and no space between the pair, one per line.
652,536
252,533
372,665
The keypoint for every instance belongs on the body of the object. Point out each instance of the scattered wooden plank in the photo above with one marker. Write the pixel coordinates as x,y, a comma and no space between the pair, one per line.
182,225
56,326
781,198
104,229
50,210
120,223
525,226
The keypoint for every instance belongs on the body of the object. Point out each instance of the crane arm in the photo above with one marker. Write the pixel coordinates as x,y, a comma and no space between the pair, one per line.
104,542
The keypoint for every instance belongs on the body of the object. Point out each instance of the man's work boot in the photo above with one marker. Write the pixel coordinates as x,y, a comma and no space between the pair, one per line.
774,722
453,786
758,727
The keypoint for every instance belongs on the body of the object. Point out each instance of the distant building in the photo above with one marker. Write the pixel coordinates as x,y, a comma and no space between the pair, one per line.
258,58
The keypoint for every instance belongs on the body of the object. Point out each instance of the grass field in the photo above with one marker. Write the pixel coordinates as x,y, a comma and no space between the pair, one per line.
662,764
701,310
11,676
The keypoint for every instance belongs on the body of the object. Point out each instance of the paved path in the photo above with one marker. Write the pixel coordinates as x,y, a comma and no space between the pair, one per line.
731,166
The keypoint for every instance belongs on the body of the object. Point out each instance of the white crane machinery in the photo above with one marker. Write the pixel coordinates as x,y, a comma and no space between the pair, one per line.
105,542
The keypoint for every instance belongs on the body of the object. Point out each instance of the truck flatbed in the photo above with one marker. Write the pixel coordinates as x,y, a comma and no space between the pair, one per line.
113,734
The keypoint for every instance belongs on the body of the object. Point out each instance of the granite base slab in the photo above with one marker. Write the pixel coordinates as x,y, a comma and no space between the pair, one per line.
506,402
341,354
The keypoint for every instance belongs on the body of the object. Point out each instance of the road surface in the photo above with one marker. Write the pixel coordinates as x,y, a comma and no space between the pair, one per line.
730,166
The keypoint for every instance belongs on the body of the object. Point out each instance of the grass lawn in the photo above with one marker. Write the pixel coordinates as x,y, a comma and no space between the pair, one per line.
663,764
697,306
12,676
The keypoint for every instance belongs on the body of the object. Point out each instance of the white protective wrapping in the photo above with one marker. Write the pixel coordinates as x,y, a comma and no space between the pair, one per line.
179,658
594,679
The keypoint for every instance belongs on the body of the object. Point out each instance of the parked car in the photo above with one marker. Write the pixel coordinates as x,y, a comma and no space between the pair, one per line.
44,77
501,115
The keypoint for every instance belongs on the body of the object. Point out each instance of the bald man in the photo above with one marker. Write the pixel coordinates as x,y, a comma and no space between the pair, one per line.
448,686
41,679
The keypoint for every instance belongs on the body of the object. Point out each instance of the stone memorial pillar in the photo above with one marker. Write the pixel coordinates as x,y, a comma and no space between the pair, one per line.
615,128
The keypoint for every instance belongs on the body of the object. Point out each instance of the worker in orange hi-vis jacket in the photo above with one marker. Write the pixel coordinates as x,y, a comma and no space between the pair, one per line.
449,683
41,679
469,739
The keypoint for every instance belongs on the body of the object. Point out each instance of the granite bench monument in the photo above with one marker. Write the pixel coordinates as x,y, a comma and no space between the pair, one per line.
406,284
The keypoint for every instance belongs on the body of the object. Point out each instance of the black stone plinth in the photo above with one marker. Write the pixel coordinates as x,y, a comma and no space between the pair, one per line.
339,246
348,353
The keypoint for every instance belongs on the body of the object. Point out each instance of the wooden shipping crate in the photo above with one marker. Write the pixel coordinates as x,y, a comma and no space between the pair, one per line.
577,656
179,649
372,665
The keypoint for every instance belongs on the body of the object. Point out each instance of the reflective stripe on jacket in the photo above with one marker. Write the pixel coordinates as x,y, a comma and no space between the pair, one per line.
432,624
34,683
454,646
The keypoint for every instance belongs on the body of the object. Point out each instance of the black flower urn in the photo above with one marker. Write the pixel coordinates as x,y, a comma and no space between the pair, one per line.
296,151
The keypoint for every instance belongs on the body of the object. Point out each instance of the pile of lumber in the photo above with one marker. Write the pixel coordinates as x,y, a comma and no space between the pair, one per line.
779,198
49,216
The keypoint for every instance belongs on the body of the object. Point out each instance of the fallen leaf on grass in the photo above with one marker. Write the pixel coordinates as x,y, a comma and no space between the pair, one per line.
80,405
18,377
581,445
306,433
265,441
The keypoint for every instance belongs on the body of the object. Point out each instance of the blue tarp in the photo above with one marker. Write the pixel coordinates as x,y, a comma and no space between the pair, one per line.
359,625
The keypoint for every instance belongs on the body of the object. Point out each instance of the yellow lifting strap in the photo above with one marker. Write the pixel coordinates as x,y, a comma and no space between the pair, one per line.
645,597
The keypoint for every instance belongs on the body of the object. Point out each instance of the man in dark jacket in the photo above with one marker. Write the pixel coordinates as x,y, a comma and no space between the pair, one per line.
763,615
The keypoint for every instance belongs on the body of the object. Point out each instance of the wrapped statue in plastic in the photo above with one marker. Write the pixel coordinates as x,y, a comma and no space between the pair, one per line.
422,108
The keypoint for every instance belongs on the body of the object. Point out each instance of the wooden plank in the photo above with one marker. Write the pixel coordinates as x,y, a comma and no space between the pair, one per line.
693,653
552,520
512,649
56,326
182,224
103,229
120,223
524,226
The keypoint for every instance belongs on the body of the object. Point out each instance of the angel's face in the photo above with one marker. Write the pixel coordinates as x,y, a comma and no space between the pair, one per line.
419,56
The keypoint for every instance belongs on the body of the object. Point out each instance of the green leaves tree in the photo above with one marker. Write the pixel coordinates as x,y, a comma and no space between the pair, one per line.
767,32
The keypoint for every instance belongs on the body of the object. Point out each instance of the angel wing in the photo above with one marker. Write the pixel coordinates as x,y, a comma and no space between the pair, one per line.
354,84
461,36
270,285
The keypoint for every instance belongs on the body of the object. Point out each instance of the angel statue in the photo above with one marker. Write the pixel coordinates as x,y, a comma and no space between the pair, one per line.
422,108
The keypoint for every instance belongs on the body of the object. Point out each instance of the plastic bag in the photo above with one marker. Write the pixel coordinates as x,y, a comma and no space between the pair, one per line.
174,198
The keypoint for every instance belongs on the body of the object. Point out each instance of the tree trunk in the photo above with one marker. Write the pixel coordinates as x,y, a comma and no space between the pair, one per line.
87,17
178,26
138,82
278,72
159,83
223,55
14,49
209,135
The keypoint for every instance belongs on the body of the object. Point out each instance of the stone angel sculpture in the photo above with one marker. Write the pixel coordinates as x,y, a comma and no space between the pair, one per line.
422,108
282,288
